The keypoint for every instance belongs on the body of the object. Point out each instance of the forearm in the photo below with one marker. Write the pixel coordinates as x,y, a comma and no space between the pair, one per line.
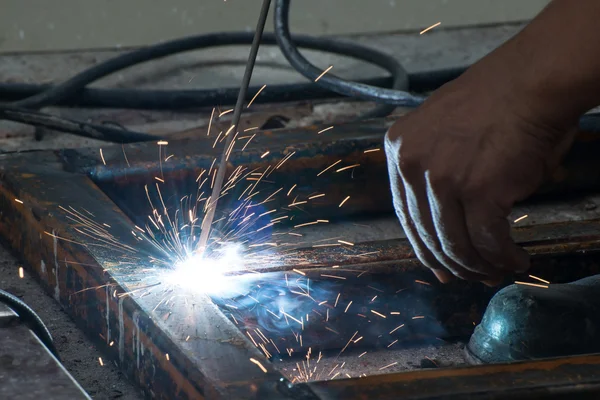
552,67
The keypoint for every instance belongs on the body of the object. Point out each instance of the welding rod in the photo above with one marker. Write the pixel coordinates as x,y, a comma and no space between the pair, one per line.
210,212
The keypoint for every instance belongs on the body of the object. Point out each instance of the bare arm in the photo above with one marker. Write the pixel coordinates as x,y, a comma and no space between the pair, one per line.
481,143
553,65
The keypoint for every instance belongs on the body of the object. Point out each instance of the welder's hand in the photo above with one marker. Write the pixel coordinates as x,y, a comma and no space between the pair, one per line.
457,165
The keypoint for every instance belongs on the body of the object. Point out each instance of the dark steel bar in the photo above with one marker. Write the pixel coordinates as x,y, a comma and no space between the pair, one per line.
313,152
561,378
196,353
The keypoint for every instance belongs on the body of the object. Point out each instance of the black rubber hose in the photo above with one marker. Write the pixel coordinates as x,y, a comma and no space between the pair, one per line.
156,99
53,95
31,319
589,122
330,81
92,131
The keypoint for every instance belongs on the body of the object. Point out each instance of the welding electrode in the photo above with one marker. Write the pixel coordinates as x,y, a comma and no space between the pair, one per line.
210,213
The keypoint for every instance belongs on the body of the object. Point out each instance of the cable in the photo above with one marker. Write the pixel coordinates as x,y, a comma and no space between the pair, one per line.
44,95
73,91
31,319
589,122
150,99
330,81
84,129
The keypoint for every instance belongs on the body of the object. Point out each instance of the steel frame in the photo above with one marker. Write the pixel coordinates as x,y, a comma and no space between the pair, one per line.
154,349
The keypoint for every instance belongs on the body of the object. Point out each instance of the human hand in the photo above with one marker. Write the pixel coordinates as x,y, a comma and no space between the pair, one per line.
457,165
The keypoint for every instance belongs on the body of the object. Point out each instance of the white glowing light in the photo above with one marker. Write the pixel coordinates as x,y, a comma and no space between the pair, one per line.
208,274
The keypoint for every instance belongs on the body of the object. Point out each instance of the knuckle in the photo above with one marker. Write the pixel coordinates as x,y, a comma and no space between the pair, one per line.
408,164
479,191
392,141
486,244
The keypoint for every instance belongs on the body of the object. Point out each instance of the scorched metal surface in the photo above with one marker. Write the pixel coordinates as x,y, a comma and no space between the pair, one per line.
202,354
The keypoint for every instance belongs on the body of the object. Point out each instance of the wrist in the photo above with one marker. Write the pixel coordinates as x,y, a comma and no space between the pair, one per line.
522,82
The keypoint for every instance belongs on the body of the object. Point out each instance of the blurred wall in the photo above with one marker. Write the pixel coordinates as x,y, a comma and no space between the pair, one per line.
41,25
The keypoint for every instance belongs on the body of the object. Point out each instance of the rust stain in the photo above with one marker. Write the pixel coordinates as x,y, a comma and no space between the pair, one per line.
482,370
37,248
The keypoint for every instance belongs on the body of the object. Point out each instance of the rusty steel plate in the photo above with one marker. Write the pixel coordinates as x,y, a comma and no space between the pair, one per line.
76,217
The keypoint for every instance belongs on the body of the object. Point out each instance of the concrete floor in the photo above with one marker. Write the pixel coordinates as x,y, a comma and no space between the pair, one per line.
78,354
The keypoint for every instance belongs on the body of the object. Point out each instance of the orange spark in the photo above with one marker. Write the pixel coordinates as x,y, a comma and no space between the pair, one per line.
344,201
520,218
299,272
212,114
389,365
348,306
323,73
297,203
430,28
306,224
292,188
333,276
262,368
256,95
348,167
539,279
331,166
532,284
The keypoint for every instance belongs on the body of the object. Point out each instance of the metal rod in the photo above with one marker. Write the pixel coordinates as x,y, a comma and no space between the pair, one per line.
210,212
